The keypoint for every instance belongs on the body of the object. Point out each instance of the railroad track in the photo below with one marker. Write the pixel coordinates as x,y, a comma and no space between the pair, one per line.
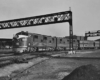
23,58
27,70
18,75
7,60
54,54
11,58
49,54
78,58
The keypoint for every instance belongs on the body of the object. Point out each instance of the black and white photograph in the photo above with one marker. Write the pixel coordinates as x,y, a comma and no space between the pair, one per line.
49,39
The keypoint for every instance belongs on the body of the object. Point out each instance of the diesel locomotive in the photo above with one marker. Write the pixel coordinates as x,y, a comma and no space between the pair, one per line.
31,42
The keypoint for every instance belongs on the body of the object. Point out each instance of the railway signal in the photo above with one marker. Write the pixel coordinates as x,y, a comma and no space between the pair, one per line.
92,33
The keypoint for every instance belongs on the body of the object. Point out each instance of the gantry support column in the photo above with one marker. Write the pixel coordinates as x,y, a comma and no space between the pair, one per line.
70,32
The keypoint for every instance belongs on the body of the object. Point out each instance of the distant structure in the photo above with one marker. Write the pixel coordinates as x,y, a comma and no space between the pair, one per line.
5,43
75,37
92,33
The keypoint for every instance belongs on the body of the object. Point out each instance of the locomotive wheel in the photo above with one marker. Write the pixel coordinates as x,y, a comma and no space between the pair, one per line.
34,49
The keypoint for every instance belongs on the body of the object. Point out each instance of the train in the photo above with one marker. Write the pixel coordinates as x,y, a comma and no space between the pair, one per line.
25,41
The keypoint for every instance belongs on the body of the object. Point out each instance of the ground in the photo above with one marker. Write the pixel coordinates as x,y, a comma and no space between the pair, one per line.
52,68
55,69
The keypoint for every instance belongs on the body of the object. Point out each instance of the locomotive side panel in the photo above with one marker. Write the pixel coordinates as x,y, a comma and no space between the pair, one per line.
97,44
86,44
75,44
62,44
41,41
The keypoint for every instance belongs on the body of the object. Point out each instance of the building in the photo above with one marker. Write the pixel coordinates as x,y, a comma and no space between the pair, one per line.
5,43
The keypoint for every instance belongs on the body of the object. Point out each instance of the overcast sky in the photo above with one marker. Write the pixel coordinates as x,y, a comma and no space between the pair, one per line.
86,15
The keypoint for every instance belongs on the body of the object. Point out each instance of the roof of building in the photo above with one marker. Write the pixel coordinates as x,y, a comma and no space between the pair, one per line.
5,39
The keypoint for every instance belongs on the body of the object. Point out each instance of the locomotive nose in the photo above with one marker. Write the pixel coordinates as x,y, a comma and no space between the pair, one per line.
19,50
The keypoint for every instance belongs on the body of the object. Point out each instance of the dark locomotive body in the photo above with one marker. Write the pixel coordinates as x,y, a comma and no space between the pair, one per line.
31,42
89,44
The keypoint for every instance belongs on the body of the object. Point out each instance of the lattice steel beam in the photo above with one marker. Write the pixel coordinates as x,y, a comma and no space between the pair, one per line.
37,20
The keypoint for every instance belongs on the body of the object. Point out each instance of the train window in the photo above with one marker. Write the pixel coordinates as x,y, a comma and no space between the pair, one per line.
60,40
53,39
49,41
41,40
35,36
45,37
